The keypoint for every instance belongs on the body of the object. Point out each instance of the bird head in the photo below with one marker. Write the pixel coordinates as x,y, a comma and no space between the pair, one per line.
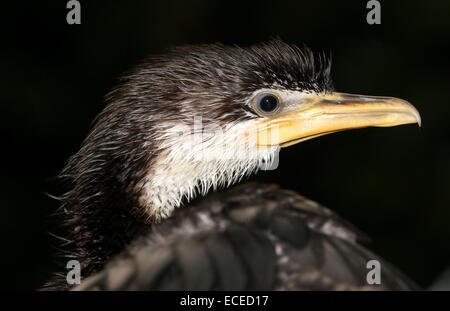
200,117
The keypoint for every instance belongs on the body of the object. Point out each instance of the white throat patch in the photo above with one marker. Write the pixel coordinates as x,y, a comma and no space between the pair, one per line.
192,161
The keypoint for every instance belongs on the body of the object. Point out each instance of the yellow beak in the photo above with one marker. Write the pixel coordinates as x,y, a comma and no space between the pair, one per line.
316,115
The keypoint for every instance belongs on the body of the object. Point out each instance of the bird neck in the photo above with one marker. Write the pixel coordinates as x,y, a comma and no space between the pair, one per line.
117,194
101,232
188,166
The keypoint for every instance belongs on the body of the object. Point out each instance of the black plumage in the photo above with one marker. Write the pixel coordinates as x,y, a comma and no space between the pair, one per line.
252,237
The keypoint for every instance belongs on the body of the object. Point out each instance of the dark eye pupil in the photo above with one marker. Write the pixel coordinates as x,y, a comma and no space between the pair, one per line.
268,103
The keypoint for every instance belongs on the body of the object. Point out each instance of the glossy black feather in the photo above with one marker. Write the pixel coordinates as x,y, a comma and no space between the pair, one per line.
214,248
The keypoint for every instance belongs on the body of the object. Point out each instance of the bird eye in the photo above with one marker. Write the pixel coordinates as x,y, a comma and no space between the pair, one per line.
267,103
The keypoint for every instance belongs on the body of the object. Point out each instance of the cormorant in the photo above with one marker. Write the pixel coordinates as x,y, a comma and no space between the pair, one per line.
203,117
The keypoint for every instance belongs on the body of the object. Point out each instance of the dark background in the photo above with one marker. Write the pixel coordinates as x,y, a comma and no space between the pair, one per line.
393,183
